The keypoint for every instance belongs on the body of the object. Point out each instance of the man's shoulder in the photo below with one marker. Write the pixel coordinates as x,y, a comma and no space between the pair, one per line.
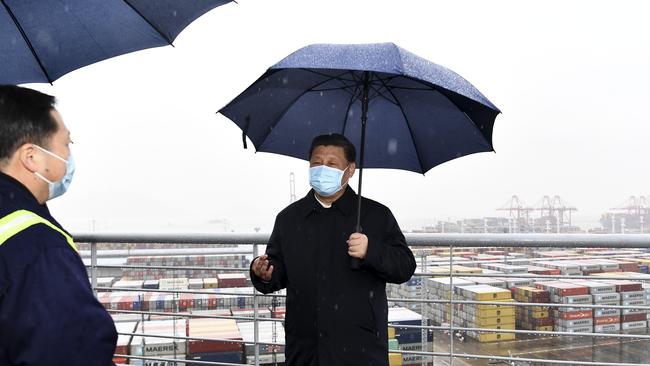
30,241
367,203
295,208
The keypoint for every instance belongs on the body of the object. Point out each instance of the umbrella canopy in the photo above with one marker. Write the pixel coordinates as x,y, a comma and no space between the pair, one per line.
41,40
418,114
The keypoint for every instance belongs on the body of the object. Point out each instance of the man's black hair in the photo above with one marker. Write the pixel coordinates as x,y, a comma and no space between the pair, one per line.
25,117
335,139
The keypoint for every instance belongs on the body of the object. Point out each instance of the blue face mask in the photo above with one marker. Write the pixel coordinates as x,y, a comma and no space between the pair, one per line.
57,189
325,180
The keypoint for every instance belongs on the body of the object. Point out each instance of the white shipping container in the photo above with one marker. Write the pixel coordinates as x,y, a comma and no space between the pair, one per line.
606,312
607,328
600,298
578,299
196,283
156,346
574,323
173,284
634,325
575,329
633,295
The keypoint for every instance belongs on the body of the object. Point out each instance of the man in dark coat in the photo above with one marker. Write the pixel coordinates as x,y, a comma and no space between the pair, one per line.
335,315
48,313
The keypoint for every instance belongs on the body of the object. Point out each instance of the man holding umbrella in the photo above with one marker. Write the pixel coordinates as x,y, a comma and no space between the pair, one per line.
336,314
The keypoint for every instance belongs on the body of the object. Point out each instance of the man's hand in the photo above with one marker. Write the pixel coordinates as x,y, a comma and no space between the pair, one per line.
263,268
357,245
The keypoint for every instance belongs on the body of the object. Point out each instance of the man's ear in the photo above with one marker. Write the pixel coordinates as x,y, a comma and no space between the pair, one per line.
351,169
27,157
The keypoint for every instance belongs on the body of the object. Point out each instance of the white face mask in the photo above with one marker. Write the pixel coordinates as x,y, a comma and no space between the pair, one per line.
58,188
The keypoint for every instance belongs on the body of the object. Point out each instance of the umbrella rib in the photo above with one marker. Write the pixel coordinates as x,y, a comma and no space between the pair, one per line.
26,39
471,122
277,120
347,113
349,84
415,145
380,93
148,22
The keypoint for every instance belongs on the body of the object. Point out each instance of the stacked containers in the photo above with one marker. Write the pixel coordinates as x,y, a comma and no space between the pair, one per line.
123,341
506,268
490,281
227,280
570,319
606,320
533,317
487,316
543,270
210,282
394,358
159,347
173,284
410,290
646,289
512,283
195,283
269,332
214,350
632,294
441,288
150,284
213,260
408,339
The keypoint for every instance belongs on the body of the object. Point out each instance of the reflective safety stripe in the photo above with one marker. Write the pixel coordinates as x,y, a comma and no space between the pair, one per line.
20,220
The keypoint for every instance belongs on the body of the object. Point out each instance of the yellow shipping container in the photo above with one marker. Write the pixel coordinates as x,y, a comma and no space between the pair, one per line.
485,293
391,332
494,312
494,322
395,359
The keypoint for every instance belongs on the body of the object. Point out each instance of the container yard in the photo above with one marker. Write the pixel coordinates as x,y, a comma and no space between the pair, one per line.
498,278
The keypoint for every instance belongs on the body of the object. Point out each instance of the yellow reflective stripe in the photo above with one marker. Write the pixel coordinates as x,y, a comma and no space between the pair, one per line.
20,220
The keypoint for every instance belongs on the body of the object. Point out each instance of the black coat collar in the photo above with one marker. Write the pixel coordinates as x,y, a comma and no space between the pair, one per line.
346,204
18,195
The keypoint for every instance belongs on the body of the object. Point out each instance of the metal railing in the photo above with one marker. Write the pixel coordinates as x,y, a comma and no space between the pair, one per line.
420,241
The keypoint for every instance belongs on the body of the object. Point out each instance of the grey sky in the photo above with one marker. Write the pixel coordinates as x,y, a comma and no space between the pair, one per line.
571,77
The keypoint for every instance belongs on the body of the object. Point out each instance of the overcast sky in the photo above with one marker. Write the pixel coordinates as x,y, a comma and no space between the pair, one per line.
571,77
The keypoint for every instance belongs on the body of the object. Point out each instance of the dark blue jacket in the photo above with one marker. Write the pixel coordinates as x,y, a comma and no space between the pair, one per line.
48,313
335,315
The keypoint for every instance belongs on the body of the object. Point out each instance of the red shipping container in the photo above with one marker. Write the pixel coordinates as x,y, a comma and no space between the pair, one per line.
634,318
186,302
626,286
572,315
563,288
602,320
532,294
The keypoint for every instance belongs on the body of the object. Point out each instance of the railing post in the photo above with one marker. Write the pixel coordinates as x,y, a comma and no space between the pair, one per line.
93,267
256,328
423,296
451,305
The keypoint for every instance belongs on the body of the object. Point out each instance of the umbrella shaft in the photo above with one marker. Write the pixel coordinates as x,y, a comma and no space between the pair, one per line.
364,118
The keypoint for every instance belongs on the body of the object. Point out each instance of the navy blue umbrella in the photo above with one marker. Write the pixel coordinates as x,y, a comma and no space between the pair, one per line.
400,110
41,40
